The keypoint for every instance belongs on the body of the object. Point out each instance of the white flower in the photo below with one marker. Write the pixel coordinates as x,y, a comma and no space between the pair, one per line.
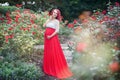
5,4
29,2
23,3
93,54
33,2
93,68
99,58
102,65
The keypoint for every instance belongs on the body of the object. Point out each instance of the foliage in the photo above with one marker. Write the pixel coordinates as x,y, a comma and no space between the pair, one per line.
4,9
106,21
110,18
19,70
36,5
22,29
96,54
72,8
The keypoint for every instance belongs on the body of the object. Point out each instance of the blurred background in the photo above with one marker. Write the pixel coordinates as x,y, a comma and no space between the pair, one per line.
89,35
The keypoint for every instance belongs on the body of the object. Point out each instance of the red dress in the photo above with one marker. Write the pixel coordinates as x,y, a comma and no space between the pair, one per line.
54,62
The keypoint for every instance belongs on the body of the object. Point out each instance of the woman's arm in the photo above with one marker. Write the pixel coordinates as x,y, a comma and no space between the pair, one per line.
45,23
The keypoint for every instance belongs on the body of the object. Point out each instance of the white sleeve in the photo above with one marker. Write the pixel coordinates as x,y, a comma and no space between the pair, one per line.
57,26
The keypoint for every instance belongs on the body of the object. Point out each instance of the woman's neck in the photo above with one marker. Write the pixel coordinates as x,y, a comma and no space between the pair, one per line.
52,18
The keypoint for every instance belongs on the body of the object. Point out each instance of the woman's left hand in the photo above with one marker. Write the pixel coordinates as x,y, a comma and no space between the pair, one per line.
48,37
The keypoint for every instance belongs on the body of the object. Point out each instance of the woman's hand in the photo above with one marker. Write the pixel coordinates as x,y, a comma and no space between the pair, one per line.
48,37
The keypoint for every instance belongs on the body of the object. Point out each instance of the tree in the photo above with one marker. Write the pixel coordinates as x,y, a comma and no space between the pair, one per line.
70,8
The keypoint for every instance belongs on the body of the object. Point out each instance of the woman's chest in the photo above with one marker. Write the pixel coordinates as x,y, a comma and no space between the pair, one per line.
51,24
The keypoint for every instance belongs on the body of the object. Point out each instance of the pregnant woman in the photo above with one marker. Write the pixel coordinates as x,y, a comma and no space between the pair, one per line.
54,62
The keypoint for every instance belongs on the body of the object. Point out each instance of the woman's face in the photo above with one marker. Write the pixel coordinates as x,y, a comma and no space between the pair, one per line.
54,14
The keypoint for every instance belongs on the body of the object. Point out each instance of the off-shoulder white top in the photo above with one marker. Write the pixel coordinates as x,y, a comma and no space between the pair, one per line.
53,24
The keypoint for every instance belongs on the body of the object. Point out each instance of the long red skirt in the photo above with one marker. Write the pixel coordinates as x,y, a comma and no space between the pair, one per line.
54,62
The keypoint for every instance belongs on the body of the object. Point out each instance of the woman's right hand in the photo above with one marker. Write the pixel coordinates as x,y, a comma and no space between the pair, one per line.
48,37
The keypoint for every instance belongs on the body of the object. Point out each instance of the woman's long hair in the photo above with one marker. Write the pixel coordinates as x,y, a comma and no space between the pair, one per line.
59,17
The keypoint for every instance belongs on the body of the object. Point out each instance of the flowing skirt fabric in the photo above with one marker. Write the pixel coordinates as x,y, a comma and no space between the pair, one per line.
54,62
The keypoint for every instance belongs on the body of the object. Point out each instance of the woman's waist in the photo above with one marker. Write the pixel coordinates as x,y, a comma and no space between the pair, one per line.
50,27
49,30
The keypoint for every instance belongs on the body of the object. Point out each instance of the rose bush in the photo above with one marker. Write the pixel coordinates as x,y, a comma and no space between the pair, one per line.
100,59
22,29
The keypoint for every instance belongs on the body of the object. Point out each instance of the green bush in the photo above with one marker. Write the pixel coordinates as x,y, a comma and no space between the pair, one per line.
1,39
65,31
4,9
19,32
19,35
19,71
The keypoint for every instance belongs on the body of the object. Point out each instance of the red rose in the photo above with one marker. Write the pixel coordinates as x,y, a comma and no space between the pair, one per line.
97,13
105,18
117,3
11,28
32,21
33,16
11,36
75,21
111,7
94,18
26,11
81,47
17,10
117,34
28,29
70,25
18,5
110,29
104,12
6,38
2,19
9,21
14,25
101,21
85,21
21,28
33,33
25,29
111,19
114,67
8,14
35,26
116,48
16,18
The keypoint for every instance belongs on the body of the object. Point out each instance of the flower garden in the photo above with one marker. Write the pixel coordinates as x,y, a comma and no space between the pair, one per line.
95,44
